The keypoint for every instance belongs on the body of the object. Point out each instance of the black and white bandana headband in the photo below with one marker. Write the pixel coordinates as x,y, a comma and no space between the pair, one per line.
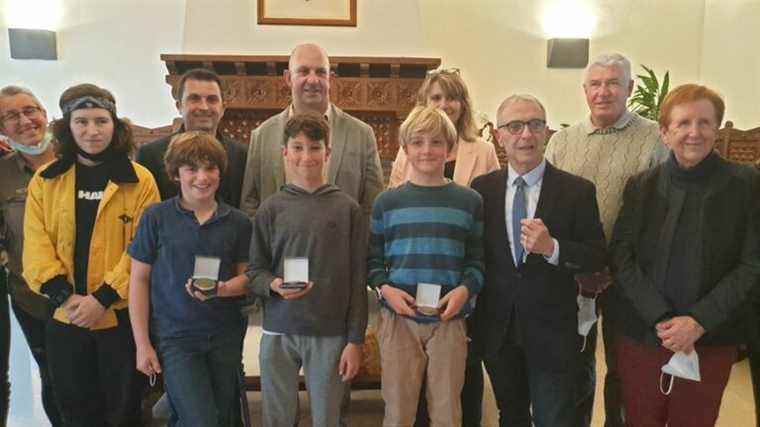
89,102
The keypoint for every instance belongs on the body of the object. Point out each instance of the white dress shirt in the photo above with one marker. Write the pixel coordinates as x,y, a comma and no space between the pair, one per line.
533,181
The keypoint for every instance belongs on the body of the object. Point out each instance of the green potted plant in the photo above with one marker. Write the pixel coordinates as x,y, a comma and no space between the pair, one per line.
649,94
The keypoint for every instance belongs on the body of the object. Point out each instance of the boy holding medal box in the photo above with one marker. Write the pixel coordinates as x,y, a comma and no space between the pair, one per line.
188,262
425,261
308,255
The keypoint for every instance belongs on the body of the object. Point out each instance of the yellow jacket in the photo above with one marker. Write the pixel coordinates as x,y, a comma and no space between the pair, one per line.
50,230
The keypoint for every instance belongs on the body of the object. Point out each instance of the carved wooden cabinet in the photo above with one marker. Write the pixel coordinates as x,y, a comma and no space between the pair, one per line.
378,90
742,146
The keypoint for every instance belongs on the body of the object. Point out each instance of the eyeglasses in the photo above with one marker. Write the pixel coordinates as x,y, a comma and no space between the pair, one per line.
14,117
515,127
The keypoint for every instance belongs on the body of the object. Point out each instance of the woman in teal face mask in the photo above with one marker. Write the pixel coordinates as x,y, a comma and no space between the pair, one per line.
24,126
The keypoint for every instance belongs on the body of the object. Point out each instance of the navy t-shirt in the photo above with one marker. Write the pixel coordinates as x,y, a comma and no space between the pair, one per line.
169,237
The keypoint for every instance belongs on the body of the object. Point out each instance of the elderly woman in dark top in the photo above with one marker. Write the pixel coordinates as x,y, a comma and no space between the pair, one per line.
686,254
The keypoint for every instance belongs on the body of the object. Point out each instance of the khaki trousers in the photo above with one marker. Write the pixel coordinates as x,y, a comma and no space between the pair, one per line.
411,350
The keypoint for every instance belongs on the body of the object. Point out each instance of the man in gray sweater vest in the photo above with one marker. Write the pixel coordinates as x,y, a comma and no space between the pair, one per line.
607,148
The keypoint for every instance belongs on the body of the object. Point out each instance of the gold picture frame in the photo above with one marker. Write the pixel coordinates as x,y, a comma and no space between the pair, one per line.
337,13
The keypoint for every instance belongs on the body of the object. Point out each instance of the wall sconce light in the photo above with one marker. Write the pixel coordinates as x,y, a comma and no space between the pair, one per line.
568,25
31,28
567,53
32,44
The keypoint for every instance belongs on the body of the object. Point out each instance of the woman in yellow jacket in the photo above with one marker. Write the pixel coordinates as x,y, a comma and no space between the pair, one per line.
81,214
471,156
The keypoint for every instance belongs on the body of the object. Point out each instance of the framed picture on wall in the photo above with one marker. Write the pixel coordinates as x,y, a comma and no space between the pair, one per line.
340,13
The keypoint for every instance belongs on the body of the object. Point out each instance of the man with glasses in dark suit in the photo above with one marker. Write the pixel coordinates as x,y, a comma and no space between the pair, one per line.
542,228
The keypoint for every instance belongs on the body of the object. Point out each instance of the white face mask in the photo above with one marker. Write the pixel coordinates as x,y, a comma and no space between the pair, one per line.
586,316
33,150
681,365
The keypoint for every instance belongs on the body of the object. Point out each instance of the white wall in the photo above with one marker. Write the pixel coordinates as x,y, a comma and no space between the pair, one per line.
112,43
386,27
501,46
731,57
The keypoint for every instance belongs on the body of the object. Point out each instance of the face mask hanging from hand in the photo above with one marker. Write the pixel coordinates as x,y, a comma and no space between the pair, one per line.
586,316
590,283
681,365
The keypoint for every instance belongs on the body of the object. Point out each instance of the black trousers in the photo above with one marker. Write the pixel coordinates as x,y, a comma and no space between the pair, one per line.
34,332
528,393
753,329
93,373
5,347
586,381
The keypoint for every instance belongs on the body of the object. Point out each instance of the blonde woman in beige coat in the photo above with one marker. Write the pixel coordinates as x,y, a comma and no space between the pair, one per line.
471,157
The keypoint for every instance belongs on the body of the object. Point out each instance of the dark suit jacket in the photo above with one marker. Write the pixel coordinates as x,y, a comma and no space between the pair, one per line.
543,295
151,155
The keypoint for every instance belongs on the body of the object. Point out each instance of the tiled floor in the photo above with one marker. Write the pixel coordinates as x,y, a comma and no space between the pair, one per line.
737,409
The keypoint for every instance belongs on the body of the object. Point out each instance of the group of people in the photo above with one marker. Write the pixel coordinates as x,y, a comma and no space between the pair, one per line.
109,259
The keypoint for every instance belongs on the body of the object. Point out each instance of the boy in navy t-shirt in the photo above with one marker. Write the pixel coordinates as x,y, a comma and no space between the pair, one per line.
198,337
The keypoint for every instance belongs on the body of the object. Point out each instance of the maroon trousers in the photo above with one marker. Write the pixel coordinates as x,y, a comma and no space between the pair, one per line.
689,404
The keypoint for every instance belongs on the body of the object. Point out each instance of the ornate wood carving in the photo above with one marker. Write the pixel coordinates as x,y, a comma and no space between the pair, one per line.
742,146
238,124
386,132
348,92
407,93
142,135
381,94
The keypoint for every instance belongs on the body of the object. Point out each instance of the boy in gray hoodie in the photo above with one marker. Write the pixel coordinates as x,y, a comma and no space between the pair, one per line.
319,326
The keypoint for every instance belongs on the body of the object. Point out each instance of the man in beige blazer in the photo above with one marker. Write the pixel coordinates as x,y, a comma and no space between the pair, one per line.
354,164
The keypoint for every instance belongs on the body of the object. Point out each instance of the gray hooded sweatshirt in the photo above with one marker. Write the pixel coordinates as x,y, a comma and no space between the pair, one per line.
329,228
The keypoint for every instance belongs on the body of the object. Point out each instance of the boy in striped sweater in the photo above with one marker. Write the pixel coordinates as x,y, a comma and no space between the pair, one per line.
426,231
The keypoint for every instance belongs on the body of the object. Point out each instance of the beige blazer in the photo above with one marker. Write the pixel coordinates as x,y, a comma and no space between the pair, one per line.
473,159
354,163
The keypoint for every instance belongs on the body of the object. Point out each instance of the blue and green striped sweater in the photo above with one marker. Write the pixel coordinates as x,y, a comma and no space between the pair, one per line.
427,235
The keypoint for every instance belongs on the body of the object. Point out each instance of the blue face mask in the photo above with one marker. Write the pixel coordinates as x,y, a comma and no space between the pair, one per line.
33,150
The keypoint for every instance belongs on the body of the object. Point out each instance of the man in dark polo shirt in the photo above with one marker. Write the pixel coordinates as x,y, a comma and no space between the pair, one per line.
199,101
